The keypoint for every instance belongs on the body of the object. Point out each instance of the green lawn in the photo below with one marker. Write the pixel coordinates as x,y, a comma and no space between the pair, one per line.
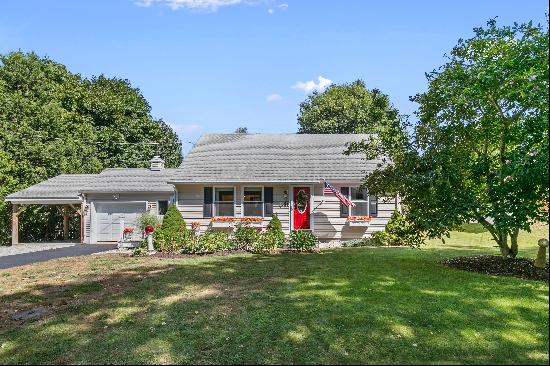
356,305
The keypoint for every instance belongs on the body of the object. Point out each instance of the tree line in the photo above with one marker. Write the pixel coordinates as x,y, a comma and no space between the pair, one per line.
53,121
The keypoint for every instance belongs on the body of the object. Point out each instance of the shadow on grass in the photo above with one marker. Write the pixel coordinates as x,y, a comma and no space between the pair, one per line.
341,306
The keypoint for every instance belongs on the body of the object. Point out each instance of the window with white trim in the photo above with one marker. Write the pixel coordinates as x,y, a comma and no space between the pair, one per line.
253,201
360,198
224,201
365,204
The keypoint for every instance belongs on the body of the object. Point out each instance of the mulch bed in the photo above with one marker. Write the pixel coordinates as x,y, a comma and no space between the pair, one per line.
496,265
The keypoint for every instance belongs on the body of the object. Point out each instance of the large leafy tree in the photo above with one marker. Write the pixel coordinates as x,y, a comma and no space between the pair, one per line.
53,121
479,150
346,108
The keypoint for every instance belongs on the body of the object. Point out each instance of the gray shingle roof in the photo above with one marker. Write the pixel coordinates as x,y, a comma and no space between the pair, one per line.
130,180
64,186
223,158
272,158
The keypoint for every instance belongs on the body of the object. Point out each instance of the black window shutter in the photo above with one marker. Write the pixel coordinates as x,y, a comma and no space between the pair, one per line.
344,210
208,199
373,209
268,201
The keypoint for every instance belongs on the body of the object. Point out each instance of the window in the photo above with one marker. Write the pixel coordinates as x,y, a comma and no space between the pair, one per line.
361,199
365,204
224,202
162,207
252,201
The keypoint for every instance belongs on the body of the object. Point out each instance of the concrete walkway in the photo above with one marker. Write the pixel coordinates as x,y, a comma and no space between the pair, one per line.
15,260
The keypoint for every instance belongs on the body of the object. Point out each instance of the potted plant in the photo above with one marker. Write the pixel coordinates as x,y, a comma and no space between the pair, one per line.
127,233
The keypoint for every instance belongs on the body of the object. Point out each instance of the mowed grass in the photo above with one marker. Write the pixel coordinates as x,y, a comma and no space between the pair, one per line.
357,305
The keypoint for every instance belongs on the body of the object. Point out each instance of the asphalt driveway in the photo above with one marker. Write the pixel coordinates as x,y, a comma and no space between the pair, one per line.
45,255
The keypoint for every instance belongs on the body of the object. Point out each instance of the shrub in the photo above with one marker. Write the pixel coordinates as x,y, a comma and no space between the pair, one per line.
246,236
139,252
172,220
147,219
303,240
398,232
267,242
212,241
173,241
275,230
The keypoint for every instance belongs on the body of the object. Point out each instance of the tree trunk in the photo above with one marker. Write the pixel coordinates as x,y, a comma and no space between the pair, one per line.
503,245
514,240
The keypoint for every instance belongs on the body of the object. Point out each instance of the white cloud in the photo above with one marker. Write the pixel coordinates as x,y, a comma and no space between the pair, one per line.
271,11
209,5
283,6
274,98
311,85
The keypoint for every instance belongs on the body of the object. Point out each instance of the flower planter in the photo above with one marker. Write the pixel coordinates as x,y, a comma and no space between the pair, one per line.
222,223
128,244
358,223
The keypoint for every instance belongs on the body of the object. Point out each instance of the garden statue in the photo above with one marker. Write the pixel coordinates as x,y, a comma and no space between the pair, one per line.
540,262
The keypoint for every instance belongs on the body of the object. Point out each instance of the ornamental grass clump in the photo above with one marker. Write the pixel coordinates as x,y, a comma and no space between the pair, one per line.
147,219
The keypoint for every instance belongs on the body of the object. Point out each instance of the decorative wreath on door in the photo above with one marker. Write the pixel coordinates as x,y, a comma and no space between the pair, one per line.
301,201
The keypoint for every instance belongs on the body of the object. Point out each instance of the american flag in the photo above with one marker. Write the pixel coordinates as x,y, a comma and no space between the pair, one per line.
331,190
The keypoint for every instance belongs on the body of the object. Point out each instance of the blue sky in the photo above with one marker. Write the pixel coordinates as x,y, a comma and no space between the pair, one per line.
215,65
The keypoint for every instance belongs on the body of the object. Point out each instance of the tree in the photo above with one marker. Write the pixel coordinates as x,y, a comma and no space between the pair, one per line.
173,220
346,108
241,130
53,121
479,150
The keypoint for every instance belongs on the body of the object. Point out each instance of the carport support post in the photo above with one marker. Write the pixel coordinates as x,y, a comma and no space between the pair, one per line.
15,224
65,222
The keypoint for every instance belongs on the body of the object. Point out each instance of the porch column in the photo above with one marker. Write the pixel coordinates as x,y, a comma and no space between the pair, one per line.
65,222
82,223
15,224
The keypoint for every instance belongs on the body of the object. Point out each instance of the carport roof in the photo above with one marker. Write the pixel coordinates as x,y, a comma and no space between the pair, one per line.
64,188
67,188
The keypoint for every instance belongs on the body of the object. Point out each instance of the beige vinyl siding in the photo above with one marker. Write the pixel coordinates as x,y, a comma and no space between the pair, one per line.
191,197
326,221
328,225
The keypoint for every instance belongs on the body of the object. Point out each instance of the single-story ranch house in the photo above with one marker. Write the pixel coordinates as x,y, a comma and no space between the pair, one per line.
223,179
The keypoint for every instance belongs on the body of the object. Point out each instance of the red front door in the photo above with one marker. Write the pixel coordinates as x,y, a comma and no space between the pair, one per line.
301,210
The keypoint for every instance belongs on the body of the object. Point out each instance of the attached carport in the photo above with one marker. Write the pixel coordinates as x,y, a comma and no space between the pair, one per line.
61,191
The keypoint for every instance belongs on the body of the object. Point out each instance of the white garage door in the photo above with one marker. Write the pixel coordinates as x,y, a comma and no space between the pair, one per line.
111,218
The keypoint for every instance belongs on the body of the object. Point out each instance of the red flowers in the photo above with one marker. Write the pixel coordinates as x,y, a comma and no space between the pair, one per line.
358,218
235,219
149,229
128,230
